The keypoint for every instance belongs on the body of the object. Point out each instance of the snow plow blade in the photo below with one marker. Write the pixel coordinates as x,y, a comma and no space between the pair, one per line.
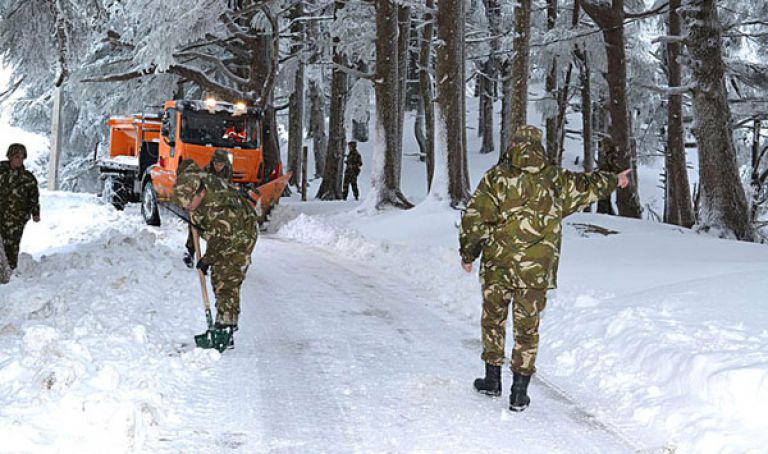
266,196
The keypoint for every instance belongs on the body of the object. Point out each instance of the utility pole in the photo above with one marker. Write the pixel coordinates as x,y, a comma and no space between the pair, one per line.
53,163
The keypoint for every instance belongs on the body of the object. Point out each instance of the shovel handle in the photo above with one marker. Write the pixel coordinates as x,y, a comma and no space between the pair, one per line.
198,255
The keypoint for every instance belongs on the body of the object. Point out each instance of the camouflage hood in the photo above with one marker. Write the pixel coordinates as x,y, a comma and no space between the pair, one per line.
526,153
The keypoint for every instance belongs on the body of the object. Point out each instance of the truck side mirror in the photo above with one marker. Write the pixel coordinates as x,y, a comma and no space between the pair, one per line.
165,131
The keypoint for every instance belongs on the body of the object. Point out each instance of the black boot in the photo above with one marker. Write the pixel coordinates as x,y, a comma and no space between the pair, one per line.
223,336
518,394
491,384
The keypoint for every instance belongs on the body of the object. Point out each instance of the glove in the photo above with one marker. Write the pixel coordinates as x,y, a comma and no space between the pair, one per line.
203,266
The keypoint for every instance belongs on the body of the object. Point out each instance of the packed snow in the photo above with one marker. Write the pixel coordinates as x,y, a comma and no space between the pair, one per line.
361,333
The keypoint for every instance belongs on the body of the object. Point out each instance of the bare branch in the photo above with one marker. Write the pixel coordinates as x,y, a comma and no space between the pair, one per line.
651,12
135,74
206,83
354,72
219,64
670,91
12,89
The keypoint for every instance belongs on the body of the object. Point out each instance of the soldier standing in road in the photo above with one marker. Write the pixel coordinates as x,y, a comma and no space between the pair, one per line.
221,167
18,201
230,228
514,220
354,162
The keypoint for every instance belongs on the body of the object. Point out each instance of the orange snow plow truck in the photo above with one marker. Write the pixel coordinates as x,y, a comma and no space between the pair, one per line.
145,151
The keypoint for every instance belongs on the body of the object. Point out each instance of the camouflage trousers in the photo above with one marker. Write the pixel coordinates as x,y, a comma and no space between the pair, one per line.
11,232
226,278
527,304
350,180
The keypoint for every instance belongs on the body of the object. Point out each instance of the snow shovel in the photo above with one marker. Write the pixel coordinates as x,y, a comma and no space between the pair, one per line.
212,337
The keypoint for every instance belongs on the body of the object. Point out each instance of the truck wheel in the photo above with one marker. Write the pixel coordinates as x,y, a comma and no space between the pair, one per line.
114,192
149,205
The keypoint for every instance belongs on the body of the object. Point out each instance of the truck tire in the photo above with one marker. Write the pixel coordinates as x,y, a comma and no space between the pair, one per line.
115,192
149,208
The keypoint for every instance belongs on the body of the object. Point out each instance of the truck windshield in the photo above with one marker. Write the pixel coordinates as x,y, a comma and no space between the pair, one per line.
220,130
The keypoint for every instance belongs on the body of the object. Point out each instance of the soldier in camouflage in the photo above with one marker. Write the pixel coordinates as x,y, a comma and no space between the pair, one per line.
18,201
514,221
219,166
230,228
354,162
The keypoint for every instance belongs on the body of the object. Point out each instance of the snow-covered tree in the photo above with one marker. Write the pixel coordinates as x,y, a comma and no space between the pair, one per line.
722,203
451,179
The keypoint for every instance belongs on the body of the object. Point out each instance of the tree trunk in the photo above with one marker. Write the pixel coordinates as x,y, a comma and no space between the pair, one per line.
271,142
550,86
360,125
317,125
387,151
586,113
425,82
678,208
330,188
418,132
611,19
451,180
518,114
722,205
505,132
491,70
757,179
562,107
403,55
296,101
487,88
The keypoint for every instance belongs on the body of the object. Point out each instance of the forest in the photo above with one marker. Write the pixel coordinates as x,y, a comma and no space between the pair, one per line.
636,82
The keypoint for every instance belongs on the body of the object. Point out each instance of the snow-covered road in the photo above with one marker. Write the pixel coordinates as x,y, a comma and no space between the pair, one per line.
334,356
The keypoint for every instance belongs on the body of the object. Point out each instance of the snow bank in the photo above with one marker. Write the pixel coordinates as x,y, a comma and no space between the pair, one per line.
427,266
76,321
657,328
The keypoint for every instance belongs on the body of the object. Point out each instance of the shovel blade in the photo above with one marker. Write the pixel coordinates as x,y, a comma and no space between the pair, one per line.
214,338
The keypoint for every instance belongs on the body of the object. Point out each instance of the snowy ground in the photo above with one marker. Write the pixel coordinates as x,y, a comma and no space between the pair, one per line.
361,334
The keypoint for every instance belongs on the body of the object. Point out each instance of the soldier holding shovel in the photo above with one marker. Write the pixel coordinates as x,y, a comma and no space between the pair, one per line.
230,228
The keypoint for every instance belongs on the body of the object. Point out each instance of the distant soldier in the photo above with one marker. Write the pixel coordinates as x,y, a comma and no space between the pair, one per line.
230,228
18,201
514,219
221,167
354,161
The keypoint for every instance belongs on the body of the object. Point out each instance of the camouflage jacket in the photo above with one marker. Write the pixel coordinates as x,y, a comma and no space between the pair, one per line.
229,224
354,162
18,194
514,217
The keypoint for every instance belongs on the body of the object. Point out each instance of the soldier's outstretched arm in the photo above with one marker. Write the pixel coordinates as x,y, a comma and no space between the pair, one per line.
582,189
481,215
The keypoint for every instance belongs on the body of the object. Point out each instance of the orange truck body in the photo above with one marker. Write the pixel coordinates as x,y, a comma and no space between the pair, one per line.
145,152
